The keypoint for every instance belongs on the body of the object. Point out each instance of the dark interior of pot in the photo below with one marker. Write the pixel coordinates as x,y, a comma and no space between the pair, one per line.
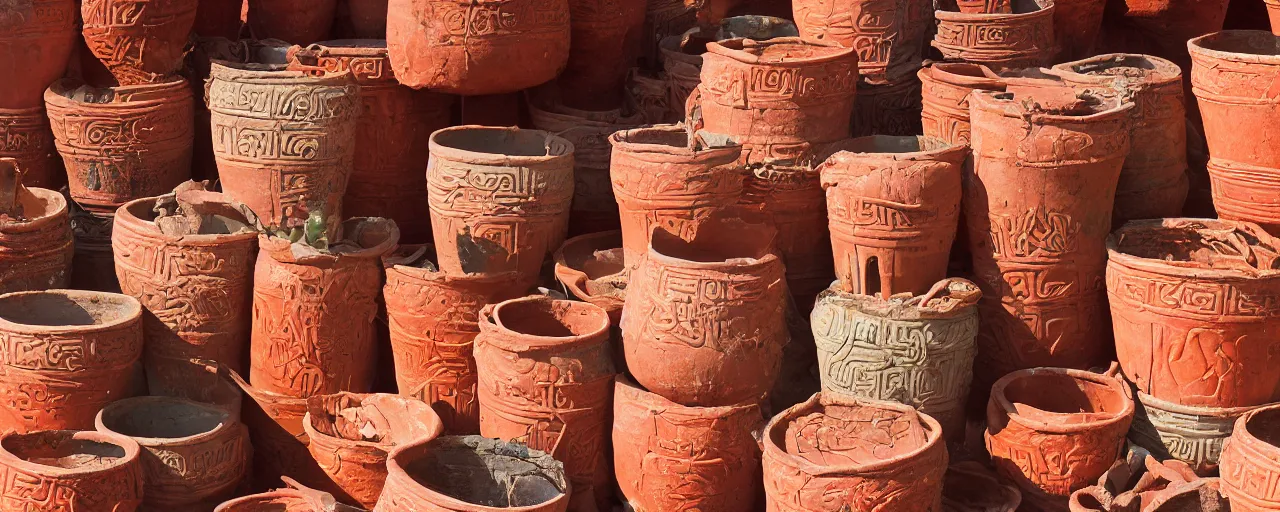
716,242
551,318
364,233
757,27
889,144
961,69
161,418
488,472
1249,42
415,255
1060,393
853,434
782,51
59,449
1265,425
672,137
1206,244
501,141
58,309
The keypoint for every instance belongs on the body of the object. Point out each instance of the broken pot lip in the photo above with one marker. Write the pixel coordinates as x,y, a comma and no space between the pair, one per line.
1163,71
643,398
134,402
1010,107
132,452
126,217
274,74
835,154
940,71
779,423
887,310
1151,402
316,402
519,342
736,49
1117,257
1192,487
398,261
254,501
1199,47
663,153
1125,413
272,403
158,94
58,208
1242,434
406,453
131,315
573,275
738,262
453,154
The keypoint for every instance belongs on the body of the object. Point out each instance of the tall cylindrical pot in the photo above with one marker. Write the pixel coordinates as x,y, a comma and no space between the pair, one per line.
1193,435
1002,41
889,35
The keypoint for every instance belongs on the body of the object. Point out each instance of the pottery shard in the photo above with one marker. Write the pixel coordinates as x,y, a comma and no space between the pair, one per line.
70,470
140,42
591,268
35,234
463,474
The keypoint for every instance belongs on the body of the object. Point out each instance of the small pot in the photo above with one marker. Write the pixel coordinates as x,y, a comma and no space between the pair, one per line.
296,21
1193,435
892,108
35,234
946,88
590,267
1250,458
36,39
893,43
70,470
25,136
1021,39
473,474
790,196
970,487
139,42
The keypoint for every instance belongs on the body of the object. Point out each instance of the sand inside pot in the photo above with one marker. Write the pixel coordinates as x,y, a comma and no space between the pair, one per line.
161,418
489,472
1061,399
855,434
551,318
58,449
66,309
1199,244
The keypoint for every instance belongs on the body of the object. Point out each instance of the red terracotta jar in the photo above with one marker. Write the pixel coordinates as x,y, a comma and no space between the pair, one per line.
352,434
790,196
499,197
591,268
36,38
605,37
122,143
1232,76
704,322
663,176
477,49
92,265
546,372
35,234
193,455
892,108
368,18
1214,347
1021,39
70,353
889,35
833,453
25,136
218,18
893,204
1038,251
970,487
945,92
433,319
1053,431
70,470
681,53
392,134
1250,460
278,438
460,474
139,42
671,457
192,269
295,21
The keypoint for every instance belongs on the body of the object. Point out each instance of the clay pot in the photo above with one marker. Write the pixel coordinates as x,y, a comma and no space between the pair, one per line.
70,353
139,42
546,372
93,266
946,88
294,498
1052,431
122,143
591,268
499,197
669,456
1193,435
283,139
218,18
313,311
1021,39
392,134
1153,183
193,455
70,470
646,94
594,208
665,18
368,18
36,38
1249,462
772,119
1038,251
296,21
1232,76
433,319
278,438
790,196
189,260
913,350
889,35
35,234
704,322
216,388
25,136
893,108
970,487
351,435
474,50
892,204
1076,24
606,36
831,453
681,53
664,176
465,474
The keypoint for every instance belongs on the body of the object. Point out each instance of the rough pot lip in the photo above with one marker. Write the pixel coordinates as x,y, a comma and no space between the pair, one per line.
655,150
1162,71
56,207
555,148
624,386
133,214
893,147
519,342
1246,436
131,452
1116,256
273,73
743,50
778,425
1005,104
133,404
767,256
1219,45
1125,413
908,308
402,259
575,278
404,454
961,74
316,403
126,97
131,314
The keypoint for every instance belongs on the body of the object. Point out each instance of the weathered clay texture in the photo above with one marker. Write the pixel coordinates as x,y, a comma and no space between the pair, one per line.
35,234
36,39
790,196
1020,39
681,53
295,21
606,37
892,108
139,41
889,35
466,474
1251,461
1193,435
70,470
25,136
945,93
295,497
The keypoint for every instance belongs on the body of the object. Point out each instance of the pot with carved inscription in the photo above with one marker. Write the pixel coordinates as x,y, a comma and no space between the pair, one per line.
889,34
1193,435
1053,431
35,234
549,363
351,435
665,177
1250,459
892,108
139,42
70,352
70,470
946,88
1190,325
25,136
1020,39
790,196
681,53
473,473
833,452
278,438
193,455
605,37
36,39
971,487
122,143
590,267
295,21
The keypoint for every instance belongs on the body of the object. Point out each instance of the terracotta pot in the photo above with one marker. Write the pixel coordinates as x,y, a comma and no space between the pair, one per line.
296,21
293,498
945,92
70,470
92,263
970,487
893,108
35,234
681,53
892,204
283,139
1185,308
664,176
139,42
25,136
1193,435
1273,15
646,94
606,38
351,435
193,455
499,197
70,353
889,35
1249,461
591,268
669,456
1022,39
36,38
913,350
278,438
473,50
392,134
594,208
216,388
1052,431
790,196
1038,251
433,319
1076,24
368,18
704,322
1232,75
473,474
192,269
665,18
546,372
122,143
773,120
833,453
218,18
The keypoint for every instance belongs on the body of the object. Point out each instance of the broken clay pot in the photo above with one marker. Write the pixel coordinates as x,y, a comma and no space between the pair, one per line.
296,21
971,487
25,136
472,473
1020,39
36,39
70,470
139,42
1250,460
889,49
35,234
945,96
790,196
590,267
